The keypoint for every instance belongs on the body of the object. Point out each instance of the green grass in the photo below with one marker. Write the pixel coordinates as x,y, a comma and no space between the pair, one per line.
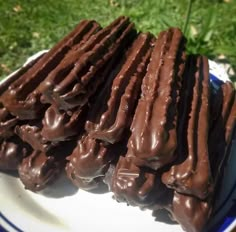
27,26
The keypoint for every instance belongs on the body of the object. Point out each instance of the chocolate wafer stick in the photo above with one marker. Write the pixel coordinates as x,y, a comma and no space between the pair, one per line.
68,63
109,121
22,99
221,155
4,84
153,128
193,175
87,73
231,122
217,136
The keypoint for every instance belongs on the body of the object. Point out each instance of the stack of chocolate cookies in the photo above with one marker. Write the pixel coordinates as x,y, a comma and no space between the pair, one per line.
123,111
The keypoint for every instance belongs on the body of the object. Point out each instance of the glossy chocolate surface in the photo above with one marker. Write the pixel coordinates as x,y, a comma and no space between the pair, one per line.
192,175
136,185
60,125
31,133
7,123
12,151
153,128
86,73
39,170
90,160
191,212
17,74
221,154
220,132
109,121
22,97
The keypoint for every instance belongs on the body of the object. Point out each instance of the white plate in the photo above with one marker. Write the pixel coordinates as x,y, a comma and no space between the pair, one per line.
57,210
63,208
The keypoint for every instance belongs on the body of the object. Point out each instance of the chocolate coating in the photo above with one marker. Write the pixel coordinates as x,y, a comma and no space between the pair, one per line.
108,121
12,151
31,133
136,185
17,74
231,122
153,128
7,123
192,175
219,134
79,82
163,215
22,98
191,212
221,155
60,125
90,160
39,170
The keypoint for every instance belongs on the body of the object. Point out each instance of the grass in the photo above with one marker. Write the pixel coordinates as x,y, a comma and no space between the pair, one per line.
27,26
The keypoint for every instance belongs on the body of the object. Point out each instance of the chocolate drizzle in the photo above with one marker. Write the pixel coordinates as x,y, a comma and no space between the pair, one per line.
17,74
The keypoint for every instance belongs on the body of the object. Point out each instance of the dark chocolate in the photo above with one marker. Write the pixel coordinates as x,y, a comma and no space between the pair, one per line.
12,151
154,136
193,175
17,74
90,160
190,212
231,122
60,125
136,185
22,98
221,155
108,121
80,79
163,215
31,133
217,137
7,123
38,170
